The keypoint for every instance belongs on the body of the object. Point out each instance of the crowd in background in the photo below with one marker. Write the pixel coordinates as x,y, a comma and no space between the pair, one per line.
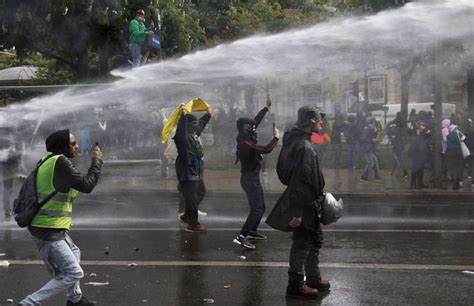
357,142
412,144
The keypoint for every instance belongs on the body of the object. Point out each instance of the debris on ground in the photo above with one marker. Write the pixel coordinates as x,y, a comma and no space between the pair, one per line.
107,251
97,284
2,254
92,275
137,249
10,301
227,287
468,272
132,264
4,263
209,301
242,257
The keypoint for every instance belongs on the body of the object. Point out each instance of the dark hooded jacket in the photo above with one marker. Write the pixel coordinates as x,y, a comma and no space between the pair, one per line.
66,176
248,151
189,164
304,193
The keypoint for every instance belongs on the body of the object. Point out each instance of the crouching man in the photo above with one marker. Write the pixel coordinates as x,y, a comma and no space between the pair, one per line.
50,227
299,207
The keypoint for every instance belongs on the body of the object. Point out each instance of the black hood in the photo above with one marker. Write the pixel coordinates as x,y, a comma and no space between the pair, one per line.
246,132
58,143
293,135
192,124
246,129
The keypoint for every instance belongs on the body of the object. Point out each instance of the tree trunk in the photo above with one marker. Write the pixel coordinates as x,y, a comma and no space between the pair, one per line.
82,66
404,97
470,90
438,114
104,62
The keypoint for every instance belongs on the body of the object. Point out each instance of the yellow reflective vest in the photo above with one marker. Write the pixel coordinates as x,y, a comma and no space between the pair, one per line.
57,212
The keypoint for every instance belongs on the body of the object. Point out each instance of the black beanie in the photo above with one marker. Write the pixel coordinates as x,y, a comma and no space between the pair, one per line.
58,143
244,121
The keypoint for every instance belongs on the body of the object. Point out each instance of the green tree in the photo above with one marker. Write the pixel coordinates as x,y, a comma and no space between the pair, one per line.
371,6
181,31
89,37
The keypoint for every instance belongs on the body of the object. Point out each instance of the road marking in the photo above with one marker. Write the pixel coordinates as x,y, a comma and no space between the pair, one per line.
255,264
229,229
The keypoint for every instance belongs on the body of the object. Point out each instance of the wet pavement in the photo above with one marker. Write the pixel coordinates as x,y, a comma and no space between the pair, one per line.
383,251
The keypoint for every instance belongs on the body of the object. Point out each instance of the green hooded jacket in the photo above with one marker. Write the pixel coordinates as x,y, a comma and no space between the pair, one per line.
137,32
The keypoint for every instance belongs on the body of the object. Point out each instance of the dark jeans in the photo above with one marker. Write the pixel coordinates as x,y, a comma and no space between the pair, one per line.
470,164
455,168
304,254
417,172
353,149
371,162
253,189
181,199
193,193
398,162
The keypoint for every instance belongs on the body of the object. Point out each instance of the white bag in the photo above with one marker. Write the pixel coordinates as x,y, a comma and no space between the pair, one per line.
171,152
465,150
331,209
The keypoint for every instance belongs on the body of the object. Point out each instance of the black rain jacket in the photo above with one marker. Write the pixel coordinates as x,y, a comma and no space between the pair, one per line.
189,164
305,191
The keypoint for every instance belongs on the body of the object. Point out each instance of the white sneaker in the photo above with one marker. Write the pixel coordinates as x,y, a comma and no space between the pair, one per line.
202,213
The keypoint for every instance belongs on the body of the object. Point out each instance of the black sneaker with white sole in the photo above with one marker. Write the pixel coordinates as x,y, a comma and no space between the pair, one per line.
256,236
244,242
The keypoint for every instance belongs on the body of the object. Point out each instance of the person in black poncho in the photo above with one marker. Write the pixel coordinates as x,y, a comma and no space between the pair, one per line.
299,207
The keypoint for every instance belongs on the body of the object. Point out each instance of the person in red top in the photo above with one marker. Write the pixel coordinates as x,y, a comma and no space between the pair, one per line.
320,139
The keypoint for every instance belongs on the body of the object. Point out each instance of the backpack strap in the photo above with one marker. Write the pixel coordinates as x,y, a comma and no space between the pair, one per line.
40,162
52,194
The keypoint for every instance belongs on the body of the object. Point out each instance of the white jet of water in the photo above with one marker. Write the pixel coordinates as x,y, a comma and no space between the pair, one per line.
386,37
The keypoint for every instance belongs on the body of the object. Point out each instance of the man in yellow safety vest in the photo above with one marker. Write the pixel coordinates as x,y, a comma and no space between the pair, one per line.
50,227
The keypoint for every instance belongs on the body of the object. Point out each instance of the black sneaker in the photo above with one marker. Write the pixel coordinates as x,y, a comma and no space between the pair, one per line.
82,302
244,242
256,236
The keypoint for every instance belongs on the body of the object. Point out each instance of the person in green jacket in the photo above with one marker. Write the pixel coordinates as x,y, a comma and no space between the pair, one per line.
138,32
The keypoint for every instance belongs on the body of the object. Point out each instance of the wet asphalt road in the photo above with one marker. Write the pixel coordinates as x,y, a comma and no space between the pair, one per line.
383,251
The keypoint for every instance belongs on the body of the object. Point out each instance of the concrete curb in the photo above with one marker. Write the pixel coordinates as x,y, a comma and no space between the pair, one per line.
386,196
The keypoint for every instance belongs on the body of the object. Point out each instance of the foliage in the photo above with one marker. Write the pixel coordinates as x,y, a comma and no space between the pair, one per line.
89,37
249,17
373,6
80,39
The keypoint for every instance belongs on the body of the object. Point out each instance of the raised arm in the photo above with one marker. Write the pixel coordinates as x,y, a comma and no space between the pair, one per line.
261,114
203,121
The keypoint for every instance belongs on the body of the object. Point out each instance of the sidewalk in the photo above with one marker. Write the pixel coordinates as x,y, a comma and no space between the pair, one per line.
147,178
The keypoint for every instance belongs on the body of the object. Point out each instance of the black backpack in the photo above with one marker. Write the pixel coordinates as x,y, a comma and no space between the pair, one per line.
285,164
26,206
